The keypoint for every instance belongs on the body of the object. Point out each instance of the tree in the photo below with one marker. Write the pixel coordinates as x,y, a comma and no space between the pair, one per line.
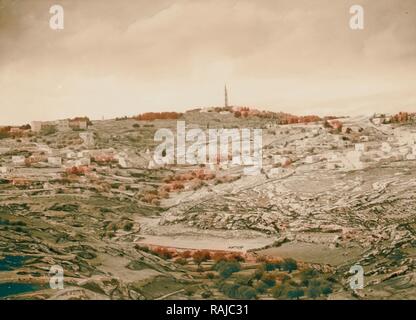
128,226
269,280
236,291
201,256
279,291
238,257
313,292
227,268
326,290
295,293
270,266
261,287
307,275
258,274
219,256
163,253
181,261
289,265
186,254
246,292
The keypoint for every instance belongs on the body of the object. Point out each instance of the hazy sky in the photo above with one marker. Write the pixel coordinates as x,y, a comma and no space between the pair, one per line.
117,58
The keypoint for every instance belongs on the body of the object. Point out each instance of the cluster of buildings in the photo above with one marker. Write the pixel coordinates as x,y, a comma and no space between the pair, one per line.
311,148
401,117
60,125
19,159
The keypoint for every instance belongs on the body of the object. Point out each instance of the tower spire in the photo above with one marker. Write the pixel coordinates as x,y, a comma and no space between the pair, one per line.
225,96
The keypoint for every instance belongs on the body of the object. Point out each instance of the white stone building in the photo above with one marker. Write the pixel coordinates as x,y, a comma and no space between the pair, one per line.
18,160
361,147
55,161
386,148
4,170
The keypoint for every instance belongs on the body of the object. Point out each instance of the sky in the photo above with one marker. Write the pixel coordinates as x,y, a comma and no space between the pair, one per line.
117,58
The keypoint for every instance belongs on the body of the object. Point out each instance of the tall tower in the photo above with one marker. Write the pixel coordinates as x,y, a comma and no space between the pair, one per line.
225,96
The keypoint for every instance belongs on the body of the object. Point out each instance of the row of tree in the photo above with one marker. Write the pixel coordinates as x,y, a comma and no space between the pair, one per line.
150,116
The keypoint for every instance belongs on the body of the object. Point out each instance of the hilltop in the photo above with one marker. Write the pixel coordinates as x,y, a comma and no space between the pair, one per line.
332,192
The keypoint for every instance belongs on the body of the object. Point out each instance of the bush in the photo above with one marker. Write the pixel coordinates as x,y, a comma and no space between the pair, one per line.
279,291
314,283
186,254
244,280
261,287
219,256
150,116
150,197
141,248
295,293
258,274
317,287
306,276
326,290
261,259
229,290
313,292
236,291
237,257
227,268
176,185
290,291
289,265
201,256
65,207
163,253
270,266
189,291
246,292
269,280
128,226
285,277
181,261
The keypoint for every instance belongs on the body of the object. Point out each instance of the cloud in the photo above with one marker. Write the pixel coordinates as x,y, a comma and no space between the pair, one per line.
135,56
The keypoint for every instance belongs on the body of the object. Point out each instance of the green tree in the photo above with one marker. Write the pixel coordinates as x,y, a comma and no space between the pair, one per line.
290,265
307,275
295,293
246,292
326,290
261,287
279,291
313,292
201,256
258,274
227,268
269,280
